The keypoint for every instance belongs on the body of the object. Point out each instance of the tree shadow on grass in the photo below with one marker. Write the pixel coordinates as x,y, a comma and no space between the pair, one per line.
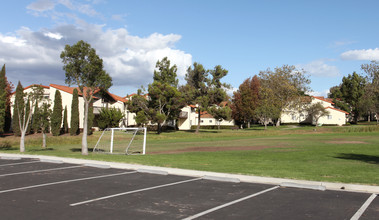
80,149
361,157
42,149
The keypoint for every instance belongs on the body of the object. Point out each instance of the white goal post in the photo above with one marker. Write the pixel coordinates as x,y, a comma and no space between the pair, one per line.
128,141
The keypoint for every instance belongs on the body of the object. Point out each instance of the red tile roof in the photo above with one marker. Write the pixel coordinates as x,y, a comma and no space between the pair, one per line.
337,110
71,91
323,99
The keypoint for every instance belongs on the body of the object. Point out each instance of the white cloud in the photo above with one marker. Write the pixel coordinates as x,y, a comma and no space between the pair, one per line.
320,93
41,5
369,54
320,68
34,56
47,8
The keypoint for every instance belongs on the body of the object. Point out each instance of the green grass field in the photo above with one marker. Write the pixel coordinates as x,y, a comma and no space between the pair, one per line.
334,154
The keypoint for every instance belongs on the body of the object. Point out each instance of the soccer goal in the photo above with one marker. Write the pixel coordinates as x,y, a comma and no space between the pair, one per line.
128,141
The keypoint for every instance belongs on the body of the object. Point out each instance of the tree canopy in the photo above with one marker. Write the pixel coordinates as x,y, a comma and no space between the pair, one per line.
85,69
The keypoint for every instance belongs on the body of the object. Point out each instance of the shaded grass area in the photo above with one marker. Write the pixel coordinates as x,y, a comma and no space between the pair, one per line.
333,154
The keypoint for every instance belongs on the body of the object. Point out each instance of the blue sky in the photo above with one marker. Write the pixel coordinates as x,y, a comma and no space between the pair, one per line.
328,39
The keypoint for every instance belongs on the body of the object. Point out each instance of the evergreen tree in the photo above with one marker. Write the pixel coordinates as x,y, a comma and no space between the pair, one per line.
65,122
74,125
56,117
45,113
18,110
203,90
27,111
352,89
85,68
3,99
35,119
91,117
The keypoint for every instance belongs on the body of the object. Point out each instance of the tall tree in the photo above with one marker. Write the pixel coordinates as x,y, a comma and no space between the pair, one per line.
267,108
18,109
352,89
24,119
245,100
338,100
5,105
371,96
165,101
35,119
288,84
220,113
65,122
204,90
74,122
84,68
91,117
56,116
3,99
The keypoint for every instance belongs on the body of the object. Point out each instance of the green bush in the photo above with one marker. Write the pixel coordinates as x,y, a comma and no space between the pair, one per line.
109,118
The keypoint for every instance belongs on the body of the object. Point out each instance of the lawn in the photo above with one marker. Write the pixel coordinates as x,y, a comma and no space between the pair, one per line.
334,154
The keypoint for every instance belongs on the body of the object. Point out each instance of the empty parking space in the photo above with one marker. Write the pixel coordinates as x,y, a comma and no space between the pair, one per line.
85,192
372,211
287,203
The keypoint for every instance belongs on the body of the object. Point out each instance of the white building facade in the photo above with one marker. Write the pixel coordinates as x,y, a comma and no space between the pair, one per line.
334,117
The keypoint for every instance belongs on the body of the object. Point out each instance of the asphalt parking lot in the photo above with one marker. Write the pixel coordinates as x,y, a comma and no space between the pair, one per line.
34,189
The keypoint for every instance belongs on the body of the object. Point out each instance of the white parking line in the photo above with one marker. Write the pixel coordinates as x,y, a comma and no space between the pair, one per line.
229,203
38,171
359,213
11,164
134,191
66,181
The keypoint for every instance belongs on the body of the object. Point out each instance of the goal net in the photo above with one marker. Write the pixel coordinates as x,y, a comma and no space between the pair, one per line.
122,141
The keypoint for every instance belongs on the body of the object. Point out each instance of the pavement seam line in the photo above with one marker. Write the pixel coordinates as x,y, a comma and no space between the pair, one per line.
363,208
38,171
134,191
229,203
66,181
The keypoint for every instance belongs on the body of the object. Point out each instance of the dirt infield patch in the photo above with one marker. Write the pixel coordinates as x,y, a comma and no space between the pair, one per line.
213,149
346,142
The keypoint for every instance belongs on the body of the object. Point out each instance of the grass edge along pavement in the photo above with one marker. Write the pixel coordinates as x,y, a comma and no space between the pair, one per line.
332,154
206,174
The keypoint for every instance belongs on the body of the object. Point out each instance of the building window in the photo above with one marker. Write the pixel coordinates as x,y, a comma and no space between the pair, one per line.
202,121
293,117
330,117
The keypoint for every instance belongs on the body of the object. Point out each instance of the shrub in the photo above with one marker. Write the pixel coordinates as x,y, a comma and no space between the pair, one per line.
109,118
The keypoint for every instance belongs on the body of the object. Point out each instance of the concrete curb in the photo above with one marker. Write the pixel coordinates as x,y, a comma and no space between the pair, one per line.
303,186
195,173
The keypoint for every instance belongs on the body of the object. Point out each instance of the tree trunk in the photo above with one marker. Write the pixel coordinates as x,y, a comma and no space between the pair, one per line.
198,122
85,129
159,130
369,117
248,124
22,141
278,122
43,139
